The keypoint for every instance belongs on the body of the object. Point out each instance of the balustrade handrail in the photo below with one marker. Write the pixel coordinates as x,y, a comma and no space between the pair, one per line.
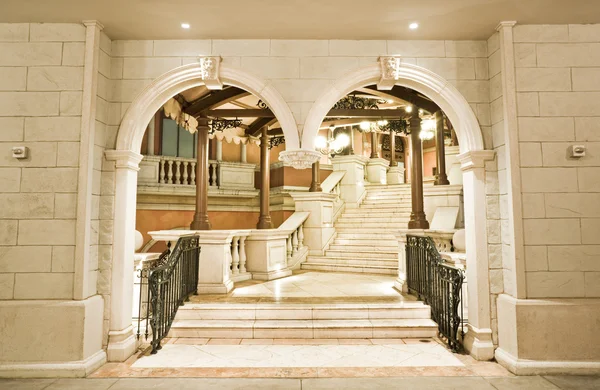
438,284
168,284
332,181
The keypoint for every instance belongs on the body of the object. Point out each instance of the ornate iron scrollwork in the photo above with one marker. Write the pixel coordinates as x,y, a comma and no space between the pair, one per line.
222,124
261,104
276,141
397,126
353,102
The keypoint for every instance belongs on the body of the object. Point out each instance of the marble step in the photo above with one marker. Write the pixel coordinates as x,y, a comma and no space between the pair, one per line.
374,218
353,261
303,311
366,246
370,235
395,225
399,207
356,253
388,195
377,211
350,268
305,329
387,202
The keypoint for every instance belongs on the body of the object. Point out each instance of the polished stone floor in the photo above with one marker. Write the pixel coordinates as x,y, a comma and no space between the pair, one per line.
421,383
313,287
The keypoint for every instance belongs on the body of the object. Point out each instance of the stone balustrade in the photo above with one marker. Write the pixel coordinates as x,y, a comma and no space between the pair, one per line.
179,171
296,251
229,256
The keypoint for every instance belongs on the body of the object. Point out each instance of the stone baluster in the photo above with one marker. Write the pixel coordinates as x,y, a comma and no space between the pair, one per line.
161,171
301,236
170,172
243,255
289,247
193,175
177,172
186,164
235,262
294,242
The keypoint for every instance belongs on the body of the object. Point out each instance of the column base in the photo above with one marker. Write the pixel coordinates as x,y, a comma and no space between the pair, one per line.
265,223
538,367
121,344
441,181
315,187
200,225
271,274
418,221
72,369
215,288
479,344
401,285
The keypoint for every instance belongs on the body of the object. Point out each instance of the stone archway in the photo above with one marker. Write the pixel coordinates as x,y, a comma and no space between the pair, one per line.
472,158
127,157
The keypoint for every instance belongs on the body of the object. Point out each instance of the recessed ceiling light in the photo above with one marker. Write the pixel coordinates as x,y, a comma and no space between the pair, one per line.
185,25
413,26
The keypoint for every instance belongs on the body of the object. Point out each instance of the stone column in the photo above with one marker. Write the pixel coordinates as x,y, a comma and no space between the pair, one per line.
373,145
392,148
264,221
121,341
219,151
440,149
417,216
201,221
315,185
243,153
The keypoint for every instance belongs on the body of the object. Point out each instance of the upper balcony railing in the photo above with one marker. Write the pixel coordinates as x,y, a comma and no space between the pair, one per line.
179,171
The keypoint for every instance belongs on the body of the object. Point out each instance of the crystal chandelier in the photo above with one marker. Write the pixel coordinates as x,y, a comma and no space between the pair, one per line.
331,145
427,129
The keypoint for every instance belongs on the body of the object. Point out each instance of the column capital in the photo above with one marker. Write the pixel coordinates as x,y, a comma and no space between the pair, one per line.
475,159
124,158
93,23
506,23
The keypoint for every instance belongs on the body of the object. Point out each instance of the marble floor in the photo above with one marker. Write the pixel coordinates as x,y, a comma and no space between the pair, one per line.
313,287
422,383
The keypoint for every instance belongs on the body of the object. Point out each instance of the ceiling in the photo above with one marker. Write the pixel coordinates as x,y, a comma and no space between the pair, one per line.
301,19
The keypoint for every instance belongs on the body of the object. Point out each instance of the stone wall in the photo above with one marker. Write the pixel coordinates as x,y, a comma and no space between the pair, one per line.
558,106
41,82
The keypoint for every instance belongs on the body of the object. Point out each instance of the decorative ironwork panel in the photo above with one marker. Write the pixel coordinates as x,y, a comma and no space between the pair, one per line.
276,141
398,146
167,286
438,285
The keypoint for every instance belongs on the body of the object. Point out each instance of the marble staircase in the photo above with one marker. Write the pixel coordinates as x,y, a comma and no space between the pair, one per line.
365,240
407,319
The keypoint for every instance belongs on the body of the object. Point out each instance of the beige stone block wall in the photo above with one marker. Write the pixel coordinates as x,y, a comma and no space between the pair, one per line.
558,105
41,82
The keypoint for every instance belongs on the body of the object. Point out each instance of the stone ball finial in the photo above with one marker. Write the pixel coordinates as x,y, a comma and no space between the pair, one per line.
139,240
458,240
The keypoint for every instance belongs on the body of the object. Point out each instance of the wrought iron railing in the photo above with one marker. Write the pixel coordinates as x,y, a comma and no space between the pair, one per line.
165,287
439,285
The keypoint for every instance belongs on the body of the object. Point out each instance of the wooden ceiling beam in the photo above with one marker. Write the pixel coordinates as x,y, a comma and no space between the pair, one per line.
240,113
255,127
214,99
410,96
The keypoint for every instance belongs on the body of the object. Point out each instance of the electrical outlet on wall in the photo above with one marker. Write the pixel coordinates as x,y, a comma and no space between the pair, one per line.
577,151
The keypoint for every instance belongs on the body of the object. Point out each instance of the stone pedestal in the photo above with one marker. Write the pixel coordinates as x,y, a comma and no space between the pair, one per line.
395,175
352,189
377,170
267,254
236,175
318,228
214,276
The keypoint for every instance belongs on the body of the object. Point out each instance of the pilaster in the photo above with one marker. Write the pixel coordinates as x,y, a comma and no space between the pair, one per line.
81,288
513,165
